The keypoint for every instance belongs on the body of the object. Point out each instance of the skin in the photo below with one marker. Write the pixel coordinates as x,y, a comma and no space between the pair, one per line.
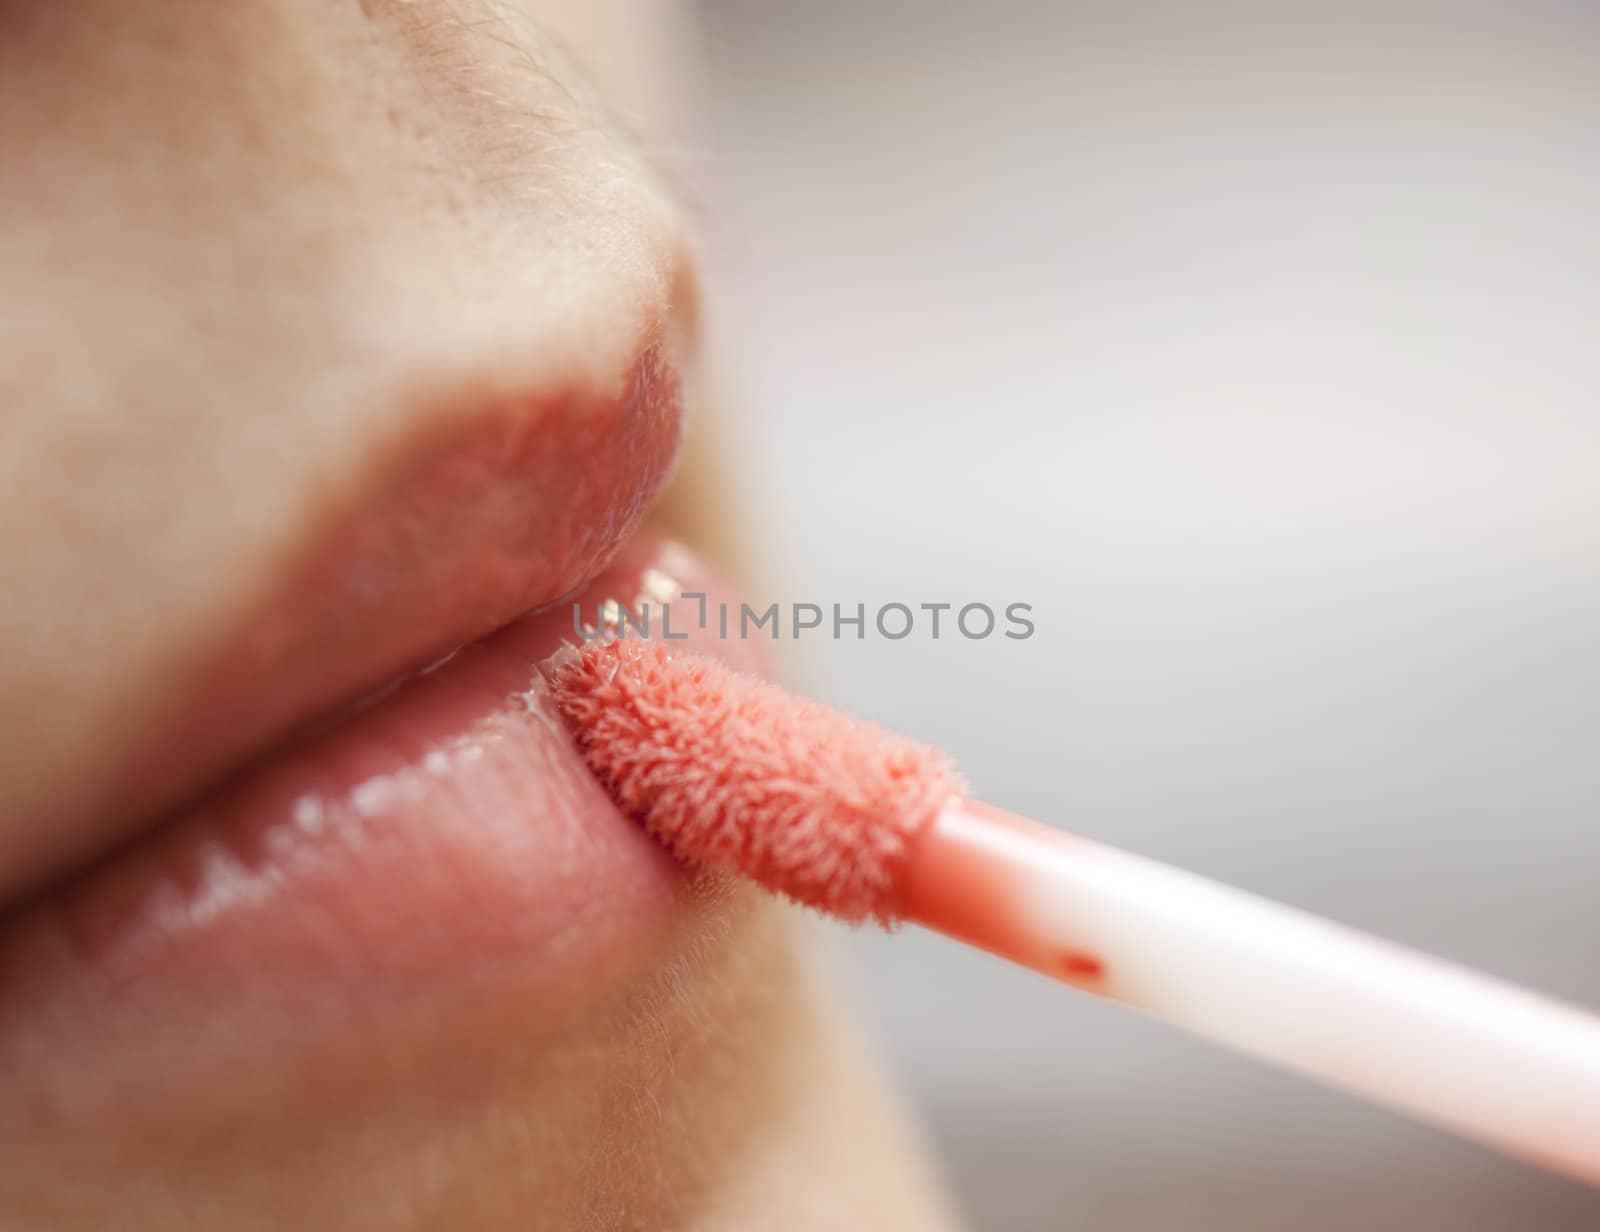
325,328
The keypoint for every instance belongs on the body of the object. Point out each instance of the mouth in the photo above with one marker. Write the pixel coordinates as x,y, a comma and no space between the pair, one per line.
399,838
421,855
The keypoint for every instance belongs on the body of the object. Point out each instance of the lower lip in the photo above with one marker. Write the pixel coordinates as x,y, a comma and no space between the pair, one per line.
447,832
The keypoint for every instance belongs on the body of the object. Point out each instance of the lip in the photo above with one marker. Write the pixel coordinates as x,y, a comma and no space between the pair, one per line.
445,841
425,491
458,525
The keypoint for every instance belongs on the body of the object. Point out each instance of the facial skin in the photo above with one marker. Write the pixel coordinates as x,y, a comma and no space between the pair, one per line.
336,337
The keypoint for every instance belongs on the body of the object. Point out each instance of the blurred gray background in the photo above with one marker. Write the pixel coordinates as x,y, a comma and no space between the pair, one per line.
1258,349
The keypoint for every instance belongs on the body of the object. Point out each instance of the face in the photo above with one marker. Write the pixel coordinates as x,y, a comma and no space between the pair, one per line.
337,340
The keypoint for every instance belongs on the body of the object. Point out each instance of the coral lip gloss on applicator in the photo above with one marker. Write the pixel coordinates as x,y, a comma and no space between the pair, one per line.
732,772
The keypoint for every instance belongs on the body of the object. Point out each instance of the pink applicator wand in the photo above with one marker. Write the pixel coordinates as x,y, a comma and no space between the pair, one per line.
729,771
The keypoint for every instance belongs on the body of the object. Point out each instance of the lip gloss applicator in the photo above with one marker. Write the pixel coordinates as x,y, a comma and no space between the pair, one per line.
731,772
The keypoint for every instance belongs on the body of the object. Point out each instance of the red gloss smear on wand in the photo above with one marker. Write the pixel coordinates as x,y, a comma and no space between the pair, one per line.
730,771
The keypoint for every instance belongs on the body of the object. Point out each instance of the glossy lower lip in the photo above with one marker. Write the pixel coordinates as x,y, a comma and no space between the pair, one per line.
447,834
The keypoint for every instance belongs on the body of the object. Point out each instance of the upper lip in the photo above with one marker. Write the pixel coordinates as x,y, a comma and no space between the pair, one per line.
471,518
490,498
